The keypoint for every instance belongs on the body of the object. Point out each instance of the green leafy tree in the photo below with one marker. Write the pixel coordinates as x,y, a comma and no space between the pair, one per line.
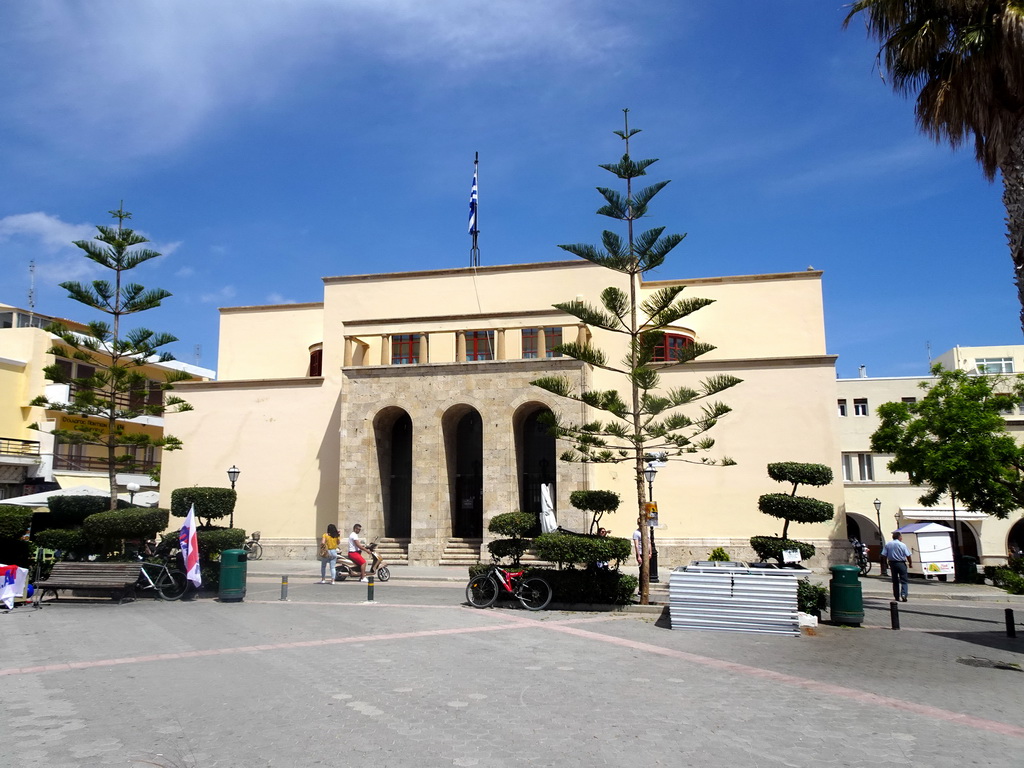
792,508
116,391
953,441
647,419
964,60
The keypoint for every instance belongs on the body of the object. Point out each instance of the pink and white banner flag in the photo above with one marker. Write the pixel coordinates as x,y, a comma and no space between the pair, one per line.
189,543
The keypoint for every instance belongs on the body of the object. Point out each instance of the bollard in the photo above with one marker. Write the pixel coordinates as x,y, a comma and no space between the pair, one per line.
369,588
894,614
284,587
1011,629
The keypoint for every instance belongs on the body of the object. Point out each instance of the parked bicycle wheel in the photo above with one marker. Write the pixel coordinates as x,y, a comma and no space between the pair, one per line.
534,593
481,591
253,550
172,585
865,568
384,573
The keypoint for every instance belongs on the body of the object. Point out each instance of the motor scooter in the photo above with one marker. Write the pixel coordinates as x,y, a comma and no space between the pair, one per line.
376,567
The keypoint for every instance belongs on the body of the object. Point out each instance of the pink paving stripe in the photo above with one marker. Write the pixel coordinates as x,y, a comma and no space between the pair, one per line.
802,682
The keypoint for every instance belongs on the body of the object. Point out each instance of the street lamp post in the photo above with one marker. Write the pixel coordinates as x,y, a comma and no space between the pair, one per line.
649,474
878,515
133,488
233,474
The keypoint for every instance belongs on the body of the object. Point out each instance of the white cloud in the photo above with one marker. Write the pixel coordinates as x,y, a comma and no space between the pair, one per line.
224,294
45,232
148,77
185,272
277,298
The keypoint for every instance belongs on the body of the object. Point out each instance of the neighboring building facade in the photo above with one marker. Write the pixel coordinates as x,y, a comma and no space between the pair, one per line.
403,401
867,477
32,460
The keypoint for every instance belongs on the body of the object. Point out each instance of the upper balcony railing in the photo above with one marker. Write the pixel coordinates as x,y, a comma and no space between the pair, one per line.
11,446
100,464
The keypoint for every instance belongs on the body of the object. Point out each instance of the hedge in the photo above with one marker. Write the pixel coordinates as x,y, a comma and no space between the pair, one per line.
592,585
65,539
14,521
212,542
211,503
133,523
574,549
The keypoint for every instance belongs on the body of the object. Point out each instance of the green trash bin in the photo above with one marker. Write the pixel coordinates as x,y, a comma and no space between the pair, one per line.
845,597
233,565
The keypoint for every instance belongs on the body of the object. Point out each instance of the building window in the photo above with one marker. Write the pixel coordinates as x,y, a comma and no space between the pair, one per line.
552,339
858,468
842,407
994,365
405,348
479,345
669,347
865,467
860,406
908,400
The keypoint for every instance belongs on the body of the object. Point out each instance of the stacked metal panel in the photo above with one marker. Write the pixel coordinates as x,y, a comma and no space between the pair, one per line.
735,598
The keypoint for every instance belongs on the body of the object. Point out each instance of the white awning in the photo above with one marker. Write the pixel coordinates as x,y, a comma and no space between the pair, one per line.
940,513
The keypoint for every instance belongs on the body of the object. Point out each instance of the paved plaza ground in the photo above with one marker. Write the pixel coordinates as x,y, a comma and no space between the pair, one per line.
417,678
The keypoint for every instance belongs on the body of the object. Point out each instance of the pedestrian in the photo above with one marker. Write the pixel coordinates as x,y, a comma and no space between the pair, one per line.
898,557
355,550
328,553
637,544
602,533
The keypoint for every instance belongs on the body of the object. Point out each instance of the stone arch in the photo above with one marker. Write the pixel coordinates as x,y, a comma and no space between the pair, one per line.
462,429
1015,540
536,457
393,435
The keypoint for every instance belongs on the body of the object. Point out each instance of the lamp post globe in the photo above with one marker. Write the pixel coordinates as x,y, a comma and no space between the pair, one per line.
133,488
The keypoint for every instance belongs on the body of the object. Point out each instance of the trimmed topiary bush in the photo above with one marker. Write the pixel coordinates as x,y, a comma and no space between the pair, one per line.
15,549
514,525
135,523
792,508
71,511
771,547
211,503
596,502
67,540
569,549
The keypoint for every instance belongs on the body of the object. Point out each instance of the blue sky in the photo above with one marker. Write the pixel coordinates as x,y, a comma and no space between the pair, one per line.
263,145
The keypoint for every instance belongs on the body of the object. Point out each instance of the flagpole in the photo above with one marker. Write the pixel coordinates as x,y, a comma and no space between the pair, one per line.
474,214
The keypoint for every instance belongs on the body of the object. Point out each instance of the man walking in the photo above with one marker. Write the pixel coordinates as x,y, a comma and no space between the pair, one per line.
898,556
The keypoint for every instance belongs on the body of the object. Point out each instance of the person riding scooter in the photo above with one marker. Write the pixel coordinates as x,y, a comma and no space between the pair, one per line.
355,550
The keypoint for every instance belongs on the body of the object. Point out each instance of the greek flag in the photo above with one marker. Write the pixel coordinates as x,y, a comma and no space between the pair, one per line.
472,203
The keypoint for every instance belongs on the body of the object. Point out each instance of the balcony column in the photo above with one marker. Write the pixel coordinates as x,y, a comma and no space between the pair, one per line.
500,343
582,334
424,356
348,350
385,349
542,347
460,346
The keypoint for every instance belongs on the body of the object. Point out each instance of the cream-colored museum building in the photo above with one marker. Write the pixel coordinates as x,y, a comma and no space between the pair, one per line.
403,401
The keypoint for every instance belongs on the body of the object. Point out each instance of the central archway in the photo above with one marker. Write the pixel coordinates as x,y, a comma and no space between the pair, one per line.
393,429
464,445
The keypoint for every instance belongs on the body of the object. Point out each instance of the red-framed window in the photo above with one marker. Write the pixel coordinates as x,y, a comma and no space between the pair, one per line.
552,338
479,345
670,346
405,348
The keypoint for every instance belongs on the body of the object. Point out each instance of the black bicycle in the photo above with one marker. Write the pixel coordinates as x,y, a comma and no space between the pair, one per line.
159,574
861,555
533,592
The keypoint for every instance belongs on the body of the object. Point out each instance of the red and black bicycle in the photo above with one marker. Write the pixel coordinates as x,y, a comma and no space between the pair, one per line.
532,591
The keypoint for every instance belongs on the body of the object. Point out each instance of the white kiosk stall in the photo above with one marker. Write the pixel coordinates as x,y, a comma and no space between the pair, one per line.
931,549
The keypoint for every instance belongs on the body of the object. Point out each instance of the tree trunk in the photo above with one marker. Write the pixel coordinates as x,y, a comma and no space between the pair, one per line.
1012,170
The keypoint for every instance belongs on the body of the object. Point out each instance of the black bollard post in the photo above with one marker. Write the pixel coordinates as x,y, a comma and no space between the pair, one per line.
894,614
284,587
1011,628
369,588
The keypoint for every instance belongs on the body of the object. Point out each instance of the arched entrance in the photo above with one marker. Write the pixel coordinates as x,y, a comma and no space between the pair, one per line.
535,456
465,450
1015,540
393,429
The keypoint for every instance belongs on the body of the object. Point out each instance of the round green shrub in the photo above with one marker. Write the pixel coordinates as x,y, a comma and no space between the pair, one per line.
512,549
14,521
798,509
65,539
211,503
771,547
133,523
512,524
811,598
69,511
719,555
800,473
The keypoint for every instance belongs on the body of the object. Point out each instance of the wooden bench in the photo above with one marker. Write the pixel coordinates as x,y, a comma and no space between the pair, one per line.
116,578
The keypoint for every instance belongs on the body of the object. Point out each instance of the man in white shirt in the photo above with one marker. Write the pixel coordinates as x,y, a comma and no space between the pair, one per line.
898,556
355,550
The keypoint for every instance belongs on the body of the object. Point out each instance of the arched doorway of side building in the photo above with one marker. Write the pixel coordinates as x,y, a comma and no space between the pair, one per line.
464,454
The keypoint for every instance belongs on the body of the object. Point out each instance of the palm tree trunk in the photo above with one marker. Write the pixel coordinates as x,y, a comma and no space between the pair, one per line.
1012,171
